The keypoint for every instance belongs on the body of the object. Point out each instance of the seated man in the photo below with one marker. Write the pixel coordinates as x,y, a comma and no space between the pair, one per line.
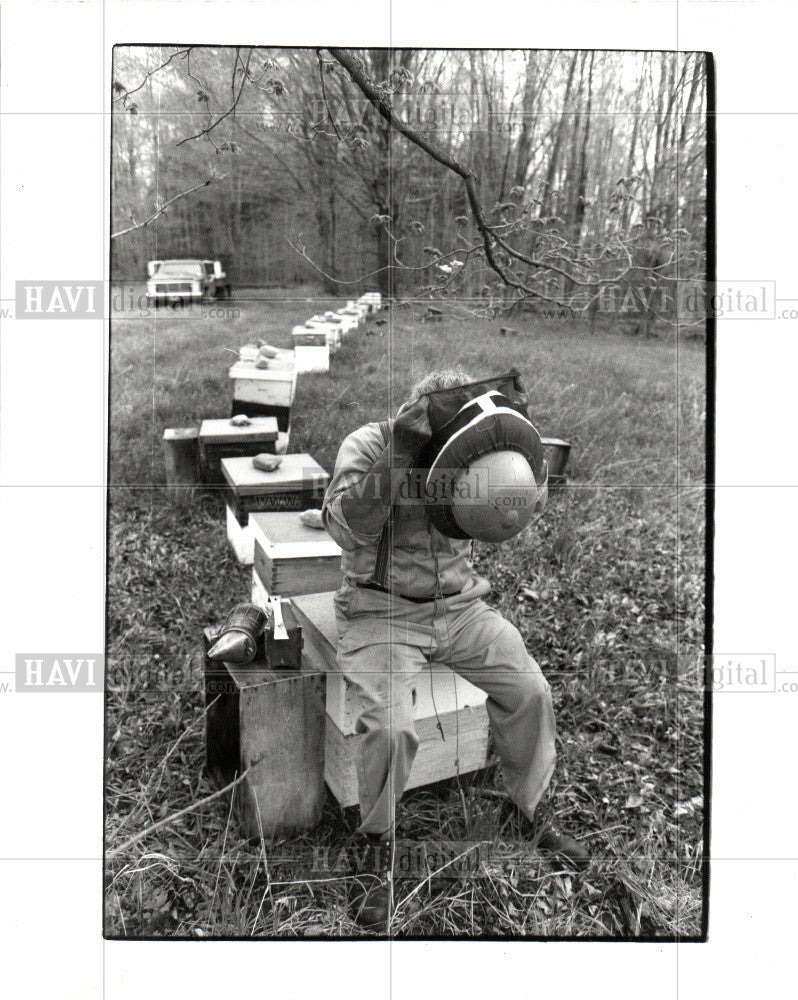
411,597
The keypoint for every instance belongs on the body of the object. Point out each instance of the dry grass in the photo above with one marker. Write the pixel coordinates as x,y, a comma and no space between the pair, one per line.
607,588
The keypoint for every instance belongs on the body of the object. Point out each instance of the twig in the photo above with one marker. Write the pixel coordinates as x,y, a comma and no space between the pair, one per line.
116,851
221,854
324,94
146,791
165,206
428,878
127,93
230,110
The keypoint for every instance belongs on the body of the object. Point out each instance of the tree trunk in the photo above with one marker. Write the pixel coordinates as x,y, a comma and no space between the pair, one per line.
554,161
580,192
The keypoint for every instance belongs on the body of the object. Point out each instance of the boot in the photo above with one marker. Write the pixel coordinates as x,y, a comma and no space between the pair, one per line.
564,847
543,835
370,901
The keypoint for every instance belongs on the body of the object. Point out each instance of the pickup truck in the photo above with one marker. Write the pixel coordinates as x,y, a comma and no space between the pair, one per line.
174,282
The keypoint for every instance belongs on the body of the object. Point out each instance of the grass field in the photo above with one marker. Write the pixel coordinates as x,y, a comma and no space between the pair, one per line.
607,589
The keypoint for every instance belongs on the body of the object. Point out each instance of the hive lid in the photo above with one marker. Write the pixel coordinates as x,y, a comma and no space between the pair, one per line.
247,369
221,431
282,535
297,471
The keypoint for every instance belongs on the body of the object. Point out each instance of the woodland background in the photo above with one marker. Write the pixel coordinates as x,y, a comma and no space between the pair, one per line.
592,161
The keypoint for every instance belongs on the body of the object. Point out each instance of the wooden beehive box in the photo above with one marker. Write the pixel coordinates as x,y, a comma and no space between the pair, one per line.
273,722
312,359
311,350
460,708
263,392
220,439
290,558
298,484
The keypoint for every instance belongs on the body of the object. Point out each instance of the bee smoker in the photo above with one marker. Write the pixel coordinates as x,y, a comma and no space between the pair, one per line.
240,637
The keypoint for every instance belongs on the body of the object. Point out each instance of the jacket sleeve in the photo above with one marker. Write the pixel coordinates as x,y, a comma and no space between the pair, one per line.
356,456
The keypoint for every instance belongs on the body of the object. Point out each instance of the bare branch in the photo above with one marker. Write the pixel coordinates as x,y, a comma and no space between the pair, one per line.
114,852
379,98
165,206
324,94
230,110
127,93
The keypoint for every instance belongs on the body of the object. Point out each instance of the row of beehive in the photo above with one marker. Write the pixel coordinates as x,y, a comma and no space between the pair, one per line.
321,335
265,395
263,382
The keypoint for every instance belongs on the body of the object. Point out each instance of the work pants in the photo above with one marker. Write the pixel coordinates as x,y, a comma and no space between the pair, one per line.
382,655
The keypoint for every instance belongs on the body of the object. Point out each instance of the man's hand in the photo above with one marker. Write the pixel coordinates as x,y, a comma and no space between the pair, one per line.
411,429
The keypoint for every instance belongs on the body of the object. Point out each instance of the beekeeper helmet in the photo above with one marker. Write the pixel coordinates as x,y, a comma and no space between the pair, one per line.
486,476
497,496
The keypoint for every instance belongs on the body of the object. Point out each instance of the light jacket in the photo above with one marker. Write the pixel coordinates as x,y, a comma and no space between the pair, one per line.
422,562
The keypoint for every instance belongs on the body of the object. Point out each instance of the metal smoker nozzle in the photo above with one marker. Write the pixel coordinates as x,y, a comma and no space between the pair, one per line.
238,642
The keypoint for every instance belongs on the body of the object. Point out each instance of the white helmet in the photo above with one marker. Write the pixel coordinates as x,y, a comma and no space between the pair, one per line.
496,496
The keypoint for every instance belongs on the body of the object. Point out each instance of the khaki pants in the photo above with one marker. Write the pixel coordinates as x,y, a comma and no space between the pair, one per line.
382,653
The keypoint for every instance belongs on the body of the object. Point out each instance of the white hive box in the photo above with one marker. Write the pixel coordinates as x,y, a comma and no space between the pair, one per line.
332,331
312,359
333,320
346,322
359,309
265,386
311,350
373,300
240,537
309,336
341,320
460,709
290,558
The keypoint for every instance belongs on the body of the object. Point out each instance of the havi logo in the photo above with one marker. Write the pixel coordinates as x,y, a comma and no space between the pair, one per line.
59,299
54,672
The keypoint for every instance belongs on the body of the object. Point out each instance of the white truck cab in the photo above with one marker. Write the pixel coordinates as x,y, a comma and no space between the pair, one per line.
174,282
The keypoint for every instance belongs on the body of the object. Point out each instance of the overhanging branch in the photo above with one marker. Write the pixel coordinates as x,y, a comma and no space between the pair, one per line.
379,99
165,206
